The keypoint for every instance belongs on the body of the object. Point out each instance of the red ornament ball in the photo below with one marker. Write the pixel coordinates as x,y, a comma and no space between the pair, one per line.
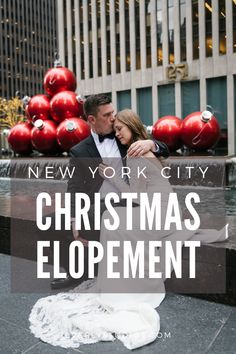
200,130
19,138
168,130
43,136
59,79
71,131
66,104
38,107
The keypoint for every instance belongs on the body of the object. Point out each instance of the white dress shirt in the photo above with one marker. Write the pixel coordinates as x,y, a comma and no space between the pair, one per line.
110,154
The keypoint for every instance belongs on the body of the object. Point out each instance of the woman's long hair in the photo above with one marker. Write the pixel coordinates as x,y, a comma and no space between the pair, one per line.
134,123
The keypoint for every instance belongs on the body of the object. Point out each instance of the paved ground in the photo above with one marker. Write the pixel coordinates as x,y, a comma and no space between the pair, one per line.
188,325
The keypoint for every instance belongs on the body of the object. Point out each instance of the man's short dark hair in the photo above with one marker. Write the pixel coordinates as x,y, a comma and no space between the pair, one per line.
93,102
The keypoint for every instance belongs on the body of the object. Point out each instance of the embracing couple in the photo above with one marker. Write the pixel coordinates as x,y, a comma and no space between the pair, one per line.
113,138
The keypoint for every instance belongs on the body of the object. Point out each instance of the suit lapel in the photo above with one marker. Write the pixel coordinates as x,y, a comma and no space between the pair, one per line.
92,148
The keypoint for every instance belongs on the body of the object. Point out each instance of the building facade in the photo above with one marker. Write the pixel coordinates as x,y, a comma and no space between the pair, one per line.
158,57
28,41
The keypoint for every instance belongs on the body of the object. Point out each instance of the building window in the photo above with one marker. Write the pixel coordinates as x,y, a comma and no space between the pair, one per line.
81,37
73,37
222,27
183,30
90,38
144,105
123,99
190,97
195,28
159,33
148,33
208,26
166,100
65,33
234,25
108,38
137,34
117,24
99,44
217,99
171,31
127,36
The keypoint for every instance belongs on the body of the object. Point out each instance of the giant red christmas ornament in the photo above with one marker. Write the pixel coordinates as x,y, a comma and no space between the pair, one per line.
20,138
200,130
38,107
59,79
168,130
72,131
66,104
43,136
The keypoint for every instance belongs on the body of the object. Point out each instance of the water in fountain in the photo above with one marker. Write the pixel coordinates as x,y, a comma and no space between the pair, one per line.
190,171
5,168
232,172
14,181
19,168
182,172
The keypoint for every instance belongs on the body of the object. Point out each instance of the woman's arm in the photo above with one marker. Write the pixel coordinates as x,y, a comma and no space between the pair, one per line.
141,147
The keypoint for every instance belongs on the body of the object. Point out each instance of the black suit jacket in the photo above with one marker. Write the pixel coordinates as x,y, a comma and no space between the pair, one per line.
85,155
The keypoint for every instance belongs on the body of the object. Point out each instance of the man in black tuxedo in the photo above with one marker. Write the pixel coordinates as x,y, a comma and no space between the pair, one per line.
101,144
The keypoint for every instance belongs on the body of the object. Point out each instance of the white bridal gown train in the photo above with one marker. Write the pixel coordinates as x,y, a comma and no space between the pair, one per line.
88,314
74,318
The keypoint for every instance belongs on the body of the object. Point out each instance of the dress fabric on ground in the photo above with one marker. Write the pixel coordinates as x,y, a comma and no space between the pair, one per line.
71,319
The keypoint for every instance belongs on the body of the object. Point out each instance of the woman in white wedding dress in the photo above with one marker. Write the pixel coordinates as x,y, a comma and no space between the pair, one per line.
106,309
